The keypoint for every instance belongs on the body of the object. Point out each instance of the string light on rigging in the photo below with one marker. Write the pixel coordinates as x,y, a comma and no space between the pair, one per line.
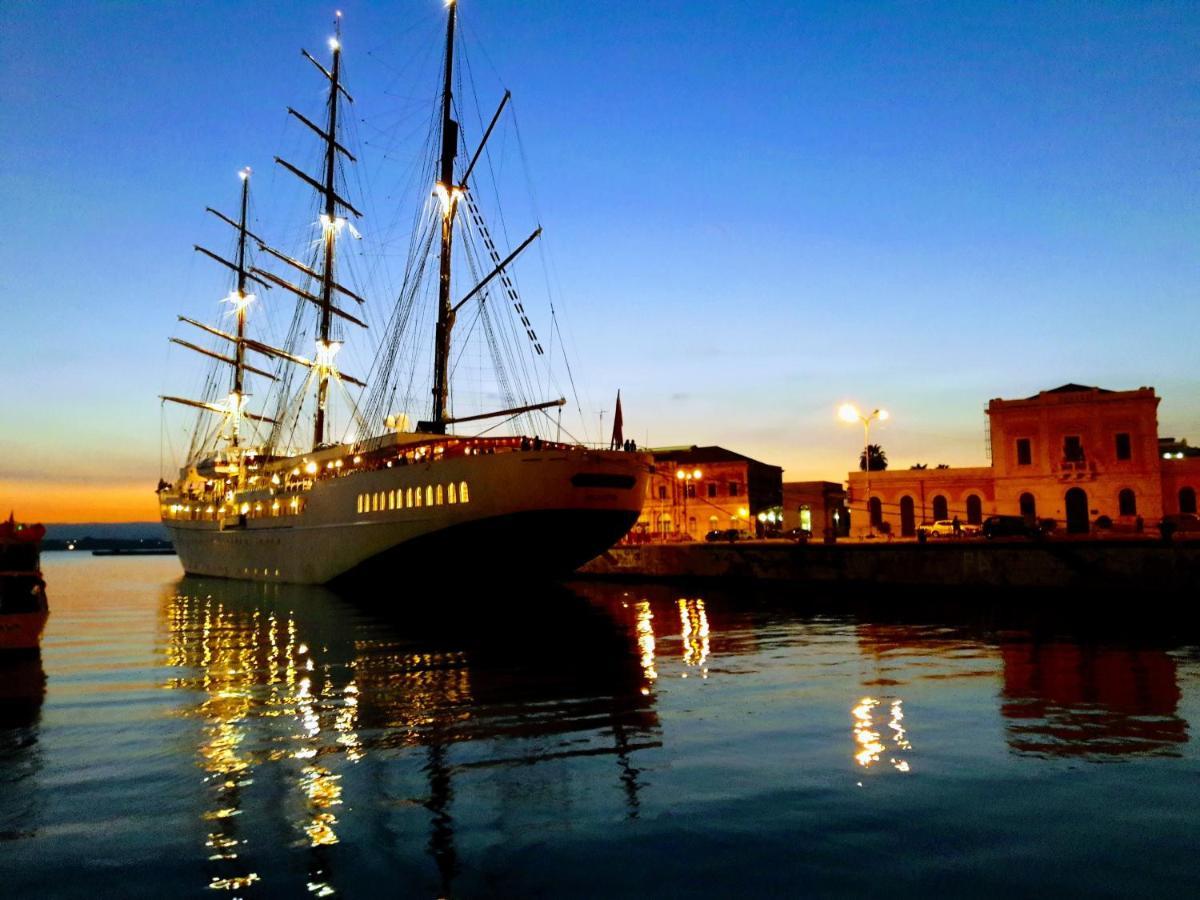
448,198
239,301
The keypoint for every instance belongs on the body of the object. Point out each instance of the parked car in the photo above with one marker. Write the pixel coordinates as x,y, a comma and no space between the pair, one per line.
797,534
945,528
1179,523
1013,526
728,534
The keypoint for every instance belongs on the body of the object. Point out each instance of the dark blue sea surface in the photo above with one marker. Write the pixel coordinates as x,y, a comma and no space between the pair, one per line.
185,737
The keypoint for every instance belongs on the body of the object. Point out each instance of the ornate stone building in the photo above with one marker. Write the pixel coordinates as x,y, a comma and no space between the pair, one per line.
695,490
1073,454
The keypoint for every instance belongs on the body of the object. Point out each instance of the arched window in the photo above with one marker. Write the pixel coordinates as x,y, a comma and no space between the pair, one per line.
429,495
452,493
941,509
391,499
1127,503
876,507
1187,500
408,500
360,502
438,495
1028,506
419,495
374,503
974,510
463,496
908,525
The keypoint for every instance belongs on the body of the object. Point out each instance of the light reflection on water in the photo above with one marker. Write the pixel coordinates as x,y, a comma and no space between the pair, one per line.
217,738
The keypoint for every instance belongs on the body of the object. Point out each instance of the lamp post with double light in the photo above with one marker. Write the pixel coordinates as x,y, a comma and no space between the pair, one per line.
686,478
848,412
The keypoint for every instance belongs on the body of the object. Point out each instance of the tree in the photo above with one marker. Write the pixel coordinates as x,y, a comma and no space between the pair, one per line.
917,467
878,458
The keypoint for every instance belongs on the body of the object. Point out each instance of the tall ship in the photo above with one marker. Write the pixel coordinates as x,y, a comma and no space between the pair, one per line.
327,478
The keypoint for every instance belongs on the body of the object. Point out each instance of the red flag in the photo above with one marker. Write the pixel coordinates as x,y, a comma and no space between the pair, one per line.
618,435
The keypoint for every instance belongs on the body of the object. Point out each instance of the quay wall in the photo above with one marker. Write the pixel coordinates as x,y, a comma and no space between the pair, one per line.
945,564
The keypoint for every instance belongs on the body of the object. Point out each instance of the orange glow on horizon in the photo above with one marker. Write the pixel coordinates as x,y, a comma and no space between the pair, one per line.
51,502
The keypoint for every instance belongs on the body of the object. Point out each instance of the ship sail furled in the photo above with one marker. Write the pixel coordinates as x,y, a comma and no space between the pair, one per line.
231,410
320,287
452,230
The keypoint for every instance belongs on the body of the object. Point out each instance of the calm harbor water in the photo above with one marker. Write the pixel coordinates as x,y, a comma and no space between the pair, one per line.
211,738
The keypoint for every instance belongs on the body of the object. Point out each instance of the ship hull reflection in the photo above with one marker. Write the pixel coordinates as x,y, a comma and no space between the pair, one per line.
299,690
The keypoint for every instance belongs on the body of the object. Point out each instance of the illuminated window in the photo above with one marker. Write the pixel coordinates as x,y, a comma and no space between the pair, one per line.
409,500
463,496
452,493
1127,503
429,495
418,495
438,496
360,502
374,503
391,499
1124,446
806,517
1024,452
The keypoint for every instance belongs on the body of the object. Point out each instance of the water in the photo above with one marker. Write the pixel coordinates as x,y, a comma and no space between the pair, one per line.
210,738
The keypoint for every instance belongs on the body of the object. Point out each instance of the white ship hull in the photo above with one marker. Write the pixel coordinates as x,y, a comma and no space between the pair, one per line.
537,512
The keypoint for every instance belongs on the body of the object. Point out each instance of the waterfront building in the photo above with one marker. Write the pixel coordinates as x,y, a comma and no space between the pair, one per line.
816,506
694,490
1074,454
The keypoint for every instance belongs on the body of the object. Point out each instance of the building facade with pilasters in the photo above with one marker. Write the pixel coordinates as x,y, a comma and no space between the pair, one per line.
1073,454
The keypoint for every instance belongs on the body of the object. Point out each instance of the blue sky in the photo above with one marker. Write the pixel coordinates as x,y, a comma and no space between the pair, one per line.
753,212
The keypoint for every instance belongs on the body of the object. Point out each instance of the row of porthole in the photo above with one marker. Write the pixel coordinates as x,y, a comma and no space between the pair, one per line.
430,495
259,510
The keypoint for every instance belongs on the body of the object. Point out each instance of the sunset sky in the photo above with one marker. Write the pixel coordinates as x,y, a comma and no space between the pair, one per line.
753,212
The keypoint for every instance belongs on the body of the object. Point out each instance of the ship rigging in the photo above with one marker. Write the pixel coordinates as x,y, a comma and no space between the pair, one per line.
364,492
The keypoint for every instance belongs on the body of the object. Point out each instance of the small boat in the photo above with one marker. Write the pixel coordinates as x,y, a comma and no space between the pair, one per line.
23,607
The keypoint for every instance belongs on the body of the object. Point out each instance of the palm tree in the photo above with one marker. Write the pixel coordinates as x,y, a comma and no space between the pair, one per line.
878,458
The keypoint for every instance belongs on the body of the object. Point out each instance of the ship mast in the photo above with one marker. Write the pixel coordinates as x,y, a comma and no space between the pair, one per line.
331,226
240,301
448,193
329,222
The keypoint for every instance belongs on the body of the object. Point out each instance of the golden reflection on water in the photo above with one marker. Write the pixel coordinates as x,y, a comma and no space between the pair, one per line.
693,621
645,639
248,666
868,741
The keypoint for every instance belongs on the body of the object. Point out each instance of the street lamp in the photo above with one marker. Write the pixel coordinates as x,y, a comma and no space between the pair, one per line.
685,479
848,412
